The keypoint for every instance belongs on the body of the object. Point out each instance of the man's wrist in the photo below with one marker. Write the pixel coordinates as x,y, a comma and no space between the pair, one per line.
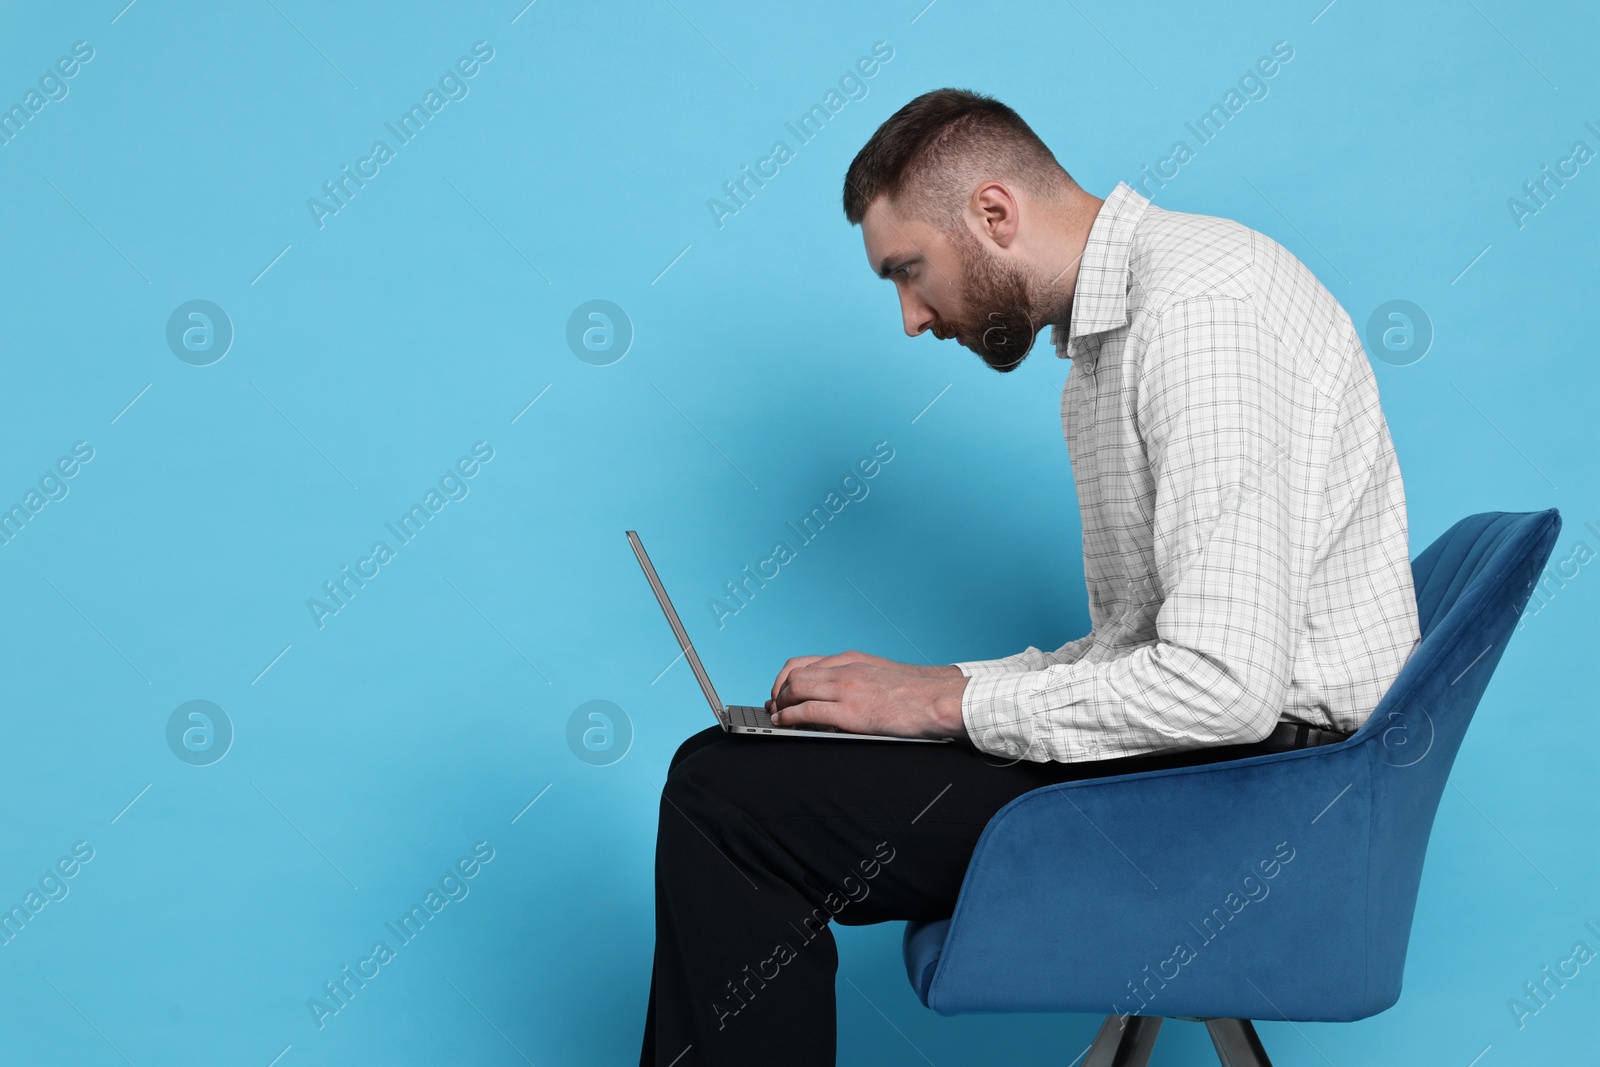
951,721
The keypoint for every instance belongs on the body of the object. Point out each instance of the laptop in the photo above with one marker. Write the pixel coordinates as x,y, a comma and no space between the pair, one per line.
739,718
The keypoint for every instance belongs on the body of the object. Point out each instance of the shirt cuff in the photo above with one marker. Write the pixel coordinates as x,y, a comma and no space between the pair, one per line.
1007,715
993,713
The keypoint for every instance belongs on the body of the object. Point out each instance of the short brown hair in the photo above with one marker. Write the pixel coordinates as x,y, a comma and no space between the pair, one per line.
939,146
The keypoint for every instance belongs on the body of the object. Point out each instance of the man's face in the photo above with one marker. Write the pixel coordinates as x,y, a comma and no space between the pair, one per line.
952,284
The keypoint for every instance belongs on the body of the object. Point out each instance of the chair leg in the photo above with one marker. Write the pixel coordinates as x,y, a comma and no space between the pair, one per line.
1236,1043
1124,1041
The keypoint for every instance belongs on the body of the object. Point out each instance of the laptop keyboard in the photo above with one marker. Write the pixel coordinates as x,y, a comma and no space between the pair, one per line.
740,715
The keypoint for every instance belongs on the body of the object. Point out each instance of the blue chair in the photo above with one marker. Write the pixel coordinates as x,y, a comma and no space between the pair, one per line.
1273,887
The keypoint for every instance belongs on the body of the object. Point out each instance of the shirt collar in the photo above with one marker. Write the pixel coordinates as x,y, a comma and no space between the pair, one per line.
1100,298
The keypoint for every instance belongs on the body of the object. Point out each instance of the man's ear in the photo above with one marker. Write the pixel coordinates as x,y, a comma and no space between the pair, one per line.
995,208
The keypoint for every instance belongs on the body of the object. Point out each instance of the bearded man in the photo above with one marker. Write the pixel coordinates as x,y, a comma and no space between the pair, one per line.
1245,554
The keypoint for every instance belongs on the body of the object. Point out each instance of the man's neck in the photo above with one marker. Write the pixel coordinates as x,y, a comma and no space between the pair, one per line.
1069,227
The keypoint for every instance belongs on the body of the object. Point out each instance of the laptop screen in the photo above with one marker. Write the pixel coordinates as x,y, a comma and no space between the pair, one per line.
677,626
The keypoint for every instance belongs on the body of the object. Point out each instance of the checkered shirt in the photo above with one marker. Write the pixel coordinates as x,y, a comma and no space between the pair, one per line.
1244,522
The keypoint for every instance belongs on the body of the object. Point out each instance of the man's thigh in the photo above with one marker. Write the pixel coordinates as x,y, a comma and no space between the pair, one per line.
882,830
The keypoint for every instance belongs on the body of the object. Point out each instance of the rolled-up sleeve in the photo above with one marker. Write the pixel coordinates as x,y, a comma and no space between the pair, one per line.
1213,413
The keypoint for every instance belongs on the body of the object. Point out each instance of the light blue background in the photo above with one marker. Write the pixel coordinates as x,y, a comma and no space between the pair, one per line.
430,311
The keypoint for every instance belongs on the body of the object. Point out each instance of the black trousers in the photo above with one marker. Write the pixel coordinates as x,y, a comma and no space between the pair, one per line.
763,842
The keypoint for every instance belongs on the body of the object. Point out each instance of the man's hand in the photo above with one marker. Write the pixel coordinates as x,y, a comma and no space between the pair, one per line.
869,695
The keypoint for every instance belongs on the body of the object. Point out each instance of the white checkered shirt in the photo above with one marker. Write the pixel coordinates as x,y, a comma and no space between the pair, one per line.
1244,522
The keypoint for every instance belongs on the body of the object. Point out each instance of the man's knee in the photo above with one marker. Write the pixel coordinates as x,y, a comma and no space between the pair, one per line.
694,743
696,802
695,774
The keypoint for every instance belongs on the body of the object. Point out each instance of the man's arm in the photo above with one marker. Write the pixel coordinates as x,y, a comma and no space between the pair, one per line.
1029,659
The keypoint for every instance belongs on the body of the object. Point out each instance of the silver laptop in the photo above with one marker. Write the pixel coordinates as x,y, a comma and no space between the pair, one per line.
737,718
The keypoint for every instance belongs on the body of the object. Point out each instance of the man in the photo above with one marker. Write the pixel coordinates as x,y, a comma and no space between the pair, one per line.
1245,553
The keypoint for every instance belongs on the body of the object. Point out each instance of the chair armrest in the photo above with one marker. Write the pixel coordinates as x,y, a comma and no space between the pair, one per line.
1117,894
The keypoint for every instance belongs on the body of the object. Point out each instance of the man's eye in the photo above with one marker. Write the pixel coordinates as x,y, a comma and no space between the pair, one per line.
904,272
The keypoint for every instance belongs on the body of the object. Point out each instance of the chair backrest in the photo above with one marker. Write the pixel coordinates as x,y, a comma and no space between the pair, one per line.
1471,585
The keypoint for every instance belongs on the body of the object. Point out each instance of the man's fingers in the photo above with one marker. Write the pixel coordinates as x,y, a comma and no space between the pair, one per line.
791,664
809,713
838,659
783,686
812,682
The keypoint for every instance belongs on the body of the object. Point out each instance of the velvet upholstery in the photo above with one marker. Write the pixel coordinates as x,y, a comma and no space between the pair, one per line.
1274,887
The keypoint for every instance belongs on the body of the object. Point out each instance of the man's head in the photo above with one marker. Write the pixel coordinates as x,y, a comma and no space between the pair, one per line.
960,205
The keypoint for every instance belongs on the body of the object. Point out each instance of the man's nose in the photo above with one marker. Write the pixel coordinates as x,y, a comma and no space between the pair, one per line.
916,315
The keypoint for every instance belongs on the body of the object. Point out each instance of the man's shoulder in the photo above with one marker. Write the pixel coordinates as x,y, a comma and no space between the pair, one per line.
1213,266
1177,256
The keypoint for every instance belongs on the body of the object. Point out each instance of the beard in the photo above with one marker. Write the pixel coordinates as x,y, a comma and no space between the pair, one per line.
1001,322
